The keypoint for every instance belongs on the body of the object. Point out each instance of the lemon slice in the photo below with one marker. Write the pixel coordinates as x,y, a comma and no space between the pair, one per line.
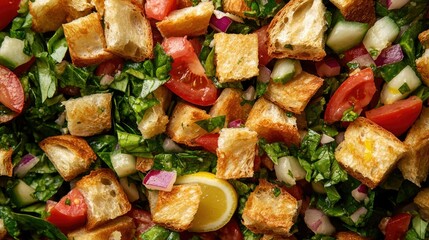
217,204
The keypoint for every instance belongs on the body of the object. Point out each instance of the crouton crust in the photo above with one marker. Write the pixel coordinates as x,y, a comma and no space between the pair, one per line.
47,15
122,227
236,7
349,236
422,64
357,10
422,202
6,167
77,8
424,38
229,104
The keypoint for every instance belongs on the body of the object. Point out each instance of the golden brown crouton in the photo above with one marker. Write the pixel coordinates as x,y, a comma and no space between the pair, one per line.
236,7
349,236
176,209
182,127
184,3
47,15
85,38
369,152
89,115
295,94
6,167
415,164
144,164
422,202
189,21
236,56
70,155
297,31
77,8
229,104
236,153
272,123
357,10
127,31
422,64
104,197
121,228
424,38
267,213
3,231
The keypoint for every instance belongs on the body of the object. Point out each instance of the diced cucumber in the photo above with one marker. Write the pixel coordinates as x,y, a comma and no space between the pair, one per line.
130,189
400,86
12,53
380,36
21,194
346,35
124,164
288,170
285,69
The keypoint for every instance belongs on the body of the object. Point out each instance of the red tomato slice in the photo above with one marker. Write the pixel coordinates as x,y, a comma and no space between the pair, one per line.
8,11
356,91
159,9
11,91
70,212
398,116
231,231
188,79
142,219
264,58
109,67
397,226
353,53
24,67
208,141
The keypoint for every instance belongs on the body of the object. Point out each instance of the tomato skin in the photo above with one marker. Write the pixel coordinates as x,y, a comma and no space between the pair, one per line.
263,56
11,91
8,11
353,53
159,9
70,212
142,219
208,141
109,67
231,231
397,226
398,116
24,67
356,91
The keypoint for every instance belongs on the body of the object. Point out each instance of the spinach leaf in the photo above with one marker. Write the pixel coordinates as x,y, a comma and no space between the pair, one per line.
212,123
349,115
185,162
45,185
273,150
262,9
74,76
10,223
39,226
140,105
136,145
46,77
408,41
57,45
404,15
157,232
419,228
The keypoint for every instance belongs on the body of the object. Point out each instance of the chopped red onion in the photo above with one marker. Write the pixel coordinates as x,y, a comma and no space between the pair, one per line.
362,188
249,94
220,14
328,67
318,222
396,4
170,146
27,162
238,123
106,80
61,119
326,139
160,180
383,223
220,24
264,74
364,60
360,193
358,213
390,55
340,137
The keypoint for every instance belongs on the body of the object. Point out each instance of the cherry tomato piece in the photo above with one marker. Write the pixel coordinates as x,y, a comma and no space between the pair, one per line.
142,219
208,141
11,91
109,67
159,9
8,11
231,231
397,226
264,58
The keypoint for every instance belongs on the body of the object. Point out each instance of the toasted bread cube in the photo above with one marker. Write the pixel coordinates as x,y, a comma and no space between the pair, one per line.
229,104
155,119
295,94
121,228
236,7
182,127
267,213
85,38
144,164
184,3
297,31
3,231
369,152
189,21
277,237
422,202
415,164
128,32
236,56
349,236
69,154
424,38
104,197
89,115
422,64
169,208
357,10
236,153
47,15
6,167
273,123
77,8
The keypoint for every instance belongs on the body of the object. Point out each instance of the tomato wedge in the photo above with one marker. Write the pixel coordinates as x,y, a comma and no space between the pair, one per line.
159,9
70,212
11,91
397,226
142,219
398,116
8,11
356,91
109,67
208,141
264,58
188,79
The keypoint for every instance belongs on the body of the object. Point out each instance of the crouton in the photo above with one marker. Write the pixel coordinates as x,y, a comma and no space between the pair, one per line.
424,38
184,3
121,228
236,153
104,197
415,164
77,8
272,123
189,21
236,56
144,164
294,95
422,202
99,6
297,31
6,167
155,120
3,231
349,236
128,32
277,237
47,15
182,127
69,154
357,10
85,38
89,115
236,7
422,63
268,213
369,152
229,104
169,209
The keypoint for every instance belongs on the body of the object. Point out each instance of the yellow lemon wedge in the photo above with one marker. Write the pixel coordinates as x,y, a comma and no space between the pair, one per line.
217,204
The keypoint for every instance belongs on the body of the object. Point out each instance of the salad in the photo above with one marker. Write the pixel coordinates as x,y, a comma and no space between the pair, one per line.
222,119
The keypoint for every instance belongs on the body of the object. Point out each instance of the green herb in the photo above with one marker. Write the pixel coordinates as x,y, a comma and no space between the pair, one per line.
373,52
185,162
140,105
388,72
157,232
404,88
349,115
405,15
74,76
288,46
57,45
273,150
353,65
45,185
261,88
212,123
67,201
46,77
276,192
422,92
262,9
136,145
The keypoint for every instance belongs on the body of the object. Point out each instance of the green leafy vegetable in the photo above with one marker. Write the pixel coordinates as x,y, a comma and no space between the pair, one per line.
274,150
349,115
46,77
46,185
57,45
185,162
157,233
212,123
262,9
74,76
